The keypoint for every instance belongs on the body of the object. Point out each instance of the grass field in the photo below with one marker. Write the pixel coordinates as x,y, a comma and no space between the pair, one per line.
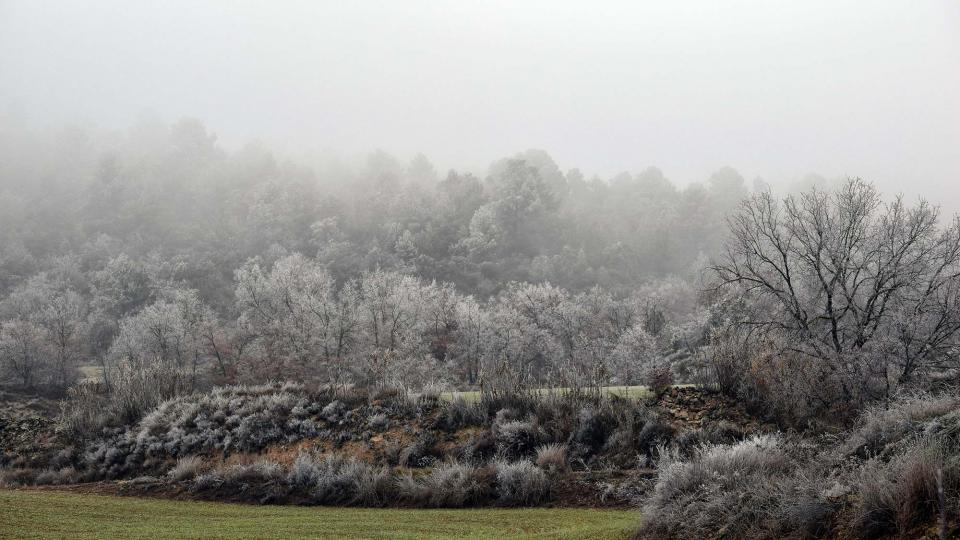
48,514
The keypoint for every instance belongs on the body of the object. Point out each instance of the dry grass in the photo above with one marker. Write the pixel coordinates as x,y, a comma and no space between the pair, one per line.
552,457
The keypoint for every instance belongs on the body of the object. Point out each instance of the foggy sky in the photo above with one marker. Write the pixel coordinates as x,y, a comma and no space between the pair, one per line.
870,89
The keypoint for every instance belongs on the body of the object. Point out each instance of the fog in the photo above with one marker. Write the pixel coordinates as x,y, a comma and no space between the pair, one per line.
777,91
698,260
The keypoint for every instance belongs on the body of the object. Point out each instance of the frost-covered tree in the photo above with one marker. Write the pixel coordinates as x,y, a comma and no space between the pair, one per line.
866,294
169,336
291,316
395,317
22,351
47,323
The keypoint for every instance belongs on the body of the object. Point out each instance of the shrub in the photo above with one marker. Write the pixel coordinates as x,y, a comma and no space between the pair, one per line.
654,432
17,477
66,475
516,438
420,453
520,483
378,422
455,485
374,485
658,378
333,411
203,482
84,412
304,472
186,468
459,414
244,418
339,480
257,472
722,488
412,491
879,426
592,430
481,446
552,457
334,479
896,496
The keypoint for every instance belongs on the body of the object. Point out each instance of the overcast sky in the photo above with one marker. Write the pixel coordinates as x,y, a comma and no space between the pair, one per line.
774,89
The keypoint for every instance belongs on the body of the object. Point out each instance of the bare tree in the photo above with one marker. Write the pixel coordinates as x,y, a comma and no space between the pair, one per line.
867,289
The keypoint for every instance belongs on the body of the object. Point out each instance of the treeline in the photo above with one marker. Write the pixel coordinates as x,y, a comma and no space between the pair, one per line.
154,253
382,329
174,264
171,198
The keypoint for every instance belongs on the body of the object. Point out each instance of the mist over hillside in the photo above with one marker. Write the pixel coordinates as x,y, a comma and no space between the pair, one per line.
694,264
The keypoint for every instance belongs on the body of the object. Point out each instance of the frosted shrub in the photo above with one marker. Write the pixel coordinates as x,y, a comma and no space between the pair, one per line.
749,489
516,438
378,422
520,483
454,485
333,411
334,479
66,475
304,472
552,457
186,469
207,481
259,471
236,418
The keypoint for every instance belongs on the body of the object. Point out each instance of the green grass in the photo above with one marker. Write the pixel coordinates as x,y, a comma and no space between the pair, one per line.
50,514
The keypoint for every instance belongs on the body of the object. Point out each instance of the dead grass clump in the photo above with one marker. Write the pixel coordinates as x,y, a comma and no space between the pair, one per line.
552,457
187,468
893,497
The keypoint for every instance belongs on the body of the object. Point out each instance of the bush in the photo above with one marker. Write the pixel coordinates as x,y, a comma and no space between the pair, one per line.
421,453
187,468
257,472
730,489
84,412
591,433
66,475
520,483
334,479
458,414
879,426
481,446
17,477
412,491
454,485
304,472
894,497
235,418
516,438
206,482
658,378
552,457
333,411
378,422
880,481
